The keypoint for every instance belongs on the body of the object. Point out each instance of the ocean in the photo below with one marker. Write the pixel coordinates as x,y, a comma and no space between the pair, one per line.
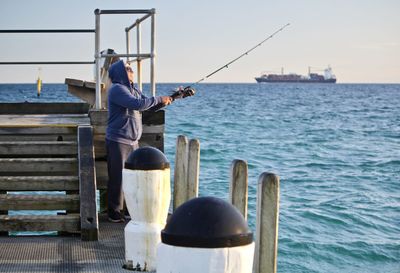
336,148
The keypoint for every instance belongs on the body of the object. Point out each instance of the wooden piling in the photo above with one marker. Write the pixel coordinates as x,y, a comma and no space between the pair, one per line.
180,171
87,185
193,169
266,251
238,190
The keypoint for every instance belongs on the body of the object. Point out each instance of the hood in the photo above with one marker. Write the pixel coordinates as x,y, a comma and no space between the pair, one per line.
117,73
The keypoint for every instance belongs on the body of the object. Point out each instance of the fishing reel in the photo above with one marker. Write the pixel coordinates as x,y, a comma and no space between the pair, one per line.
183,92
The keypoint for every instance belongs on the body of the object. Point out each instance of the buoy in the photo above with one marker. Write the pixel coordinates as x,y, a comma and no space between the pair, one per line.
39,84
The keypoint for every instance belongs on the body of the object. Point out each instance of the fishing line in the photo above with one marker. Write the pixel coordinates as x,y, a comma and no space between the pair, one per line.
242,55
187,91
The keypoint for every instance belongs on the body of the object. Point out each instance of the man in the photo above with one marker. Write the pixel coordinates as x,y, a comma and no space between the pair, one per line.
124,129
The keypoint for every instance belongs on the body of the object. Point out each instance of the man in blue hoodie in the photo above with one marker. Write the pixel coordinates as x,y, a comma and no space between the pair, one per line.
124,129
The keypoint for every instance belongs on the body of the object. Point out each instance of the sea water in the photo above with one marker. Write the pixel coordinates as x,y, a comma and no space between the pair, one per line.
336,148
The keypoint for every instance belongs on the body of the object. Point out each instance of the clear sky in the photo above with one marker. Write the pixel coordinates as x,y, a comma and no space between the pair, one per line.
359,39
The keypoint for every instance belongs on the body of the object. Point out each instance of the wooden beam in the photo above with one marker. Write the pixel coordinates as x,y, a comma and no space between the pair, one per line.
193,169
68,223
180,172
41,148
53,120
44,130
39,202
266,249
38,165
87,185
39,183
26,108
238,190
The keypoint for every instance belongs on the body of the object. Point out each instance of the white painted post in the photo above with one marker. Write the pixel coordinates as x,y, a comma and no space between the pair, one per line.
147,192
180,171
266,252
238,190
193,169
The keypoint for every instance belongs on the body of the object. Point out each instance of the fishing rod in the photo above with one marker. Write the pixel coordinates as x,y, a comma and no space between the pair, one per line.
189,91
242,55
183,92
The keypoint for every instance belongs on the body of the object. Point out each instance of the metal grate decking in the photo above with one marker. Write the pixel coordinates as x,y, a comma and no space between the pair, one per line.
65,254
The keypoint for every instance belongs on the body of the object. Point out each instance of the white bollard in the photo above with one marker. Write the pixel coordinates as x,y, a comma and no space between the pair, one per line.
146,187
206,235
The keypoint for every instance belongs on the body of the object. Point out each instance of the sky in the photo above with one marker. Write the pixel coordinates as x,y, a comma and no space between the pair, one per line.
359,39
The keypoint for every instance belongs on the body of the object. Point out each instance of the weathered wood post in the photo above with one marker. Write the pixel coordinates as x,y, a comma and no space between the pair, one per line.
238,190
266,251
193,169
87,185
180,171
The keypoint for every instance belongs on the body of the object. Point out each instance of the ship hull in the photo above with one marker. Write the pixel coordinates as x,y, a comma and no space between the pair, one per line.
265,80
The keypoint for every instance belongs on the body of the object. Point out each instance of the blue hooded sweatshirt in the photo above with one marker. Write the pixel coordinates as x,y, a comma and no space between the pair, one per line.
125,102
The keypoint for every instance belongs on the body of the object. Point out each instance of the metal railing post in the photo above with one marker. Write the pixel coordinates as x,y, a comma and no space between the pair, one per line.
127,44
97,59
139,50
153,53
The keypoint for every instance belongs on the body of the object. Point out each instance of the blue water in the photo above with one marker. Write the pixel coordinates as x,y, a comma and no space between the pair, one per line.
336,149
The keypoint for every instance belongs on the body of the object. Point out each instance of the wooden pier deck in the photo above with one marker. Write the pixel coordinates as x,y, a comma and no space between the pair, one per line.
65,253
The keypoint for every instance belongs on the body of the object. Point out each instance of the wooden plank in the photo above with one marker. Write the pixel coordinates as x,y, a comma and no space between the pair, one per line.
180,172
43,108
38,165
47,133
46,130
60,137
38,183
86,91
153,140
68,223
193,169
238,190
91,85
60,120
74,82
87,185
39,202
38,148
101,174
153,118
266,249
99,117
99,144
147,129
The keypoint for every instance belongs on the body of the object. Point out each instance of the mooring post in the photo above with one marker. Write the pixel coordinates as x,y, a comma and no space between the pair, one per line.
180,171
193,169
266,251
238,190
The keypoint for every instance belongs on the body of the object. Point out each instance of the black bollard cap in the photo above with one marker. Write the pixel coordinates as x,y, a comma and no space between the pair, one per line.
206,222
146,158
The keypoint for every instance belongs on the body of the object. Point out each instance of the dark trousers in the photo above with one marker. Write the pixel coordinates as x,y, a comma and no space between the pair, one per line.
117,153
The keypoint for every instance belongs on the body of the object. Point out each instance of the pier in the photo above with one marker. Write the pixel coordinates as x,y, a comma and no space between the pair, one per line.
53,162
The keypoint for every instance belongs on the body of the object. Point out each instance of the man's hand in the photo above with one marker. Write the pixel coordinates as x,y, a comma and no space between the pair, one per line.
166,100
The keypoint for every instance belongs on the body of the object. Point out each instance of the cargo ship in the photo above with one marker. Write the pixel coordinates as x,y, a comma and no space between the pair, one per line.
327,77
